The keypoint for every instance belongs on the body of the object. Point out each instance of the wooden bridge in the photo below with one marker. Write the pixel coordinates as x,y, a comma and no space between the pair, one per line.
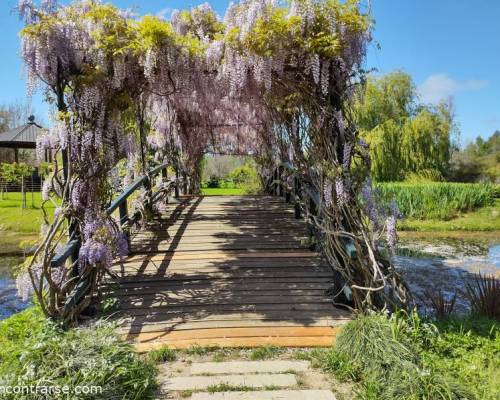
231,271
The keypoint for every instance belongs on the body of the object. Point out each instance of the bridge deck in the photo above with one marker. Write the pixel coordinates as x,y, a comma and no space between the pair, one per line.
225,271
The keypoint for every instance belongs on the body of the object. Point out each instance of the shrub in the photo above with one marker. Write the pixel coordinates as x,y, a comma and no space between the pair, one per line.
91,356
387,356
417,384
369,343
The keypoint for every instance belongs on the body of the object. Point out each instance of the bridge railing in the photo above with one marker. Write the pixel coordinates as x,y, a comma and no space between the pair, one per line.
72,249
121,203
306,199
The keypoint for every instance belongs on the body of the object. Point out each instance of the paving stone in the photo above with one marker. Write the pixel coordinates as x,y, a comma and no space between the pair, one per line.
267,395
253,381
248,367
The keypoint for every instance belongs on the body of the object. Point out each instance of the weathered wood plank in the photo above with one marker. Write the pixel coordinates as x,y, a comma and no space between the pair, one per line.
225,271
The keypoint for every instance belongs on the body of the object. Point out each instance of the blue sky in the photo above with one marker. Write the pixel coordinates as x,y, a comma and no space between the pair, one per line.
450,47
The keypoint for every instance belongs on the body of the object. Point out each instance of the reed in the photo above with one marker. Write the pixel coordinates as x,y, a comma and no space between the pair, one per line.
437,200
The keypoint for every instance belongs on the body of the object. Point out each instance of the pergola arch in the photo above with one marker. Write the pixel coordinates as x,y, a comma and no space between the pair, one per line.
285,73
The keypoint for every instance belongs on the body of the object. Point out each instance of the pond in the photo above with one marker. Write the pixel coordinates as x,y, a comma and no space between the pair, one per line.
10,303
427,263
443,264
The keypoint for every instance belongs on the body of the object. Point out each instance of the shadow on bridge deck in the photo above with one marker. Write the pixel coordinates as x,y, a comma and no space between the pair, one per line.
225,271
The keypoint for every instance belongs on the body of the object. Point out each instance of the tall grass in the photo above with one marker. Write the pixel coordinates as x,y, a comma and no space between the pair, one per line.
437,200
35,352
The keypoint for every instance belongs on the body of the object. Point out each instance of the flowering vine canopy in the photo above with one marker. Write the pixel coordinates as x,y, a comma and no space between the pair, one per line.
273,79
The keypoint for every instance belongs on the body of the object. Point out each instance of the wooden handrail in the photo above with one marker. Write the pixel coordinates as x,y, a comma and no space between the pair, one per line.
119,203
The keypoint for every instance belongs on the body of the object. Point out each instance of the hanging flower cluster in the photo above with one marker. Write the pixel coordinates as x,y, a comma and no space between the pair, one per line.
270,80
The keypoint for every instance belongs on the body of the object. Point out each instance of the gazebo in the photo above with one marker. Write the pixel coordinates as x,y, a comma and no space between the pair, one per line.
22,137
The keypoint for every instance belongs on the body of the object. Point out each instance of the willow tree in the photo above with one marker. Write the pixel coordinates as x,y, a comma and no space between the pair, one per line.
271,80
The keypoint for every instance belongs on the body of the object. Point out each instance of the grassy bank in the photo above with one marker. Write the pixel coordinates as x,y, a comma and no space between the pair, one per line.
36,352
485,219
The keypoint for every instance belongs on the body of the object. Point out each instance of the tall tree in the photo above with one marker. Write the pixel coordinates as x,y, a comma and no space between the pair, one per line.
405,137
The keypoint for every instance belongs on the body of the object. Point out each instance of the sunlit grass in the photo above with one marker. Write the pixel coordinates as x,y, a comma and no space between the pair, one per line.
223,191
16,219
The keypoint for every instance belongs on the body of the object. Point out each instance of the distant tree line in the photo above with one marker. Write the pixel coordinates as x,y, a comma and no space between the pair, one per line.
479,161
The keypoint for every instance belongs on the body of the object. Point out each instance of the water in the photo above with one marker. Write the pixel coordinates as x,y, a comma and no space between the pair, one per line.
446,265
9,302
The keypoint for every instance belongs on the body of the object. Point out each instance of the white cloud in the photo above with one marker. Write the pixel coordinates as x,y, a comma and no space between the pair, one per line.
164,13
440,86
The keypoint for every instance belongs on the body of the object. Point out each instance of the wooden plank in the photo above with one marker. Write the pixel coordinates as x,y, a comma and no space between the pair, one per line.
153,301
217,292
208,309
271,331
231,285
135,316
279,341
246,268
220,255
161,327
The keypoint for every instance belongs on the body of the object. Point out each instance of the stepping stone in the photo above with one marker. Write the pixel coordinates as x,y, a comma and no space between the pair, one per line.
248,367
267,395
253,381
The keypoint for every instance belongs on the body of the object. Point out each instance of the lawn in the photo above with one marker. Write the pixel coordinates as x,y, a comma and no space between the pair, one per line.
223,191
14,219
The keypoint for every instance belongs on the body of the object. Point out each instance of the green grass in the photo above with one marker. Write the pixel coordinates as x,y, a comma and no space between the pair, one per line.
223,191
34,351
437,200
266,352
485,219
405,357
15,219
162,355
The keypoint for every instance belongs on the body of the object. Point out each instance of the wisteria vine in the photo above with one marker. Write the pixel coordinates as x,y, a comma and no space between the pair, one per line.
272,79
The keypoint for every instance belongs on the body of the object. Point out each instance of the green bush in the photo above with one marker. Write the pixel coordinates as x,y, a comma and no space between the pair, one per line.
437,200
35,352
404,357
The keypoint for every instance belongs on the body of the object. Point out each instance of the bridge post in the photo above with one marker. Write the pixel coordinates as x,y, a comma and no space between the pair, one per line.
282,184
278,182
296,192
123,212
164,178
185,184
176,188
288,193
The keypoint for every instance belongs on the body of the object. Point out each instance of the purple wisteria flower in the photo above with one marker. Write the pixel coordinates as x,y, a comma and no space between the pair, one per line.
342,192
371,206
346,159
93,253
391,232
327,192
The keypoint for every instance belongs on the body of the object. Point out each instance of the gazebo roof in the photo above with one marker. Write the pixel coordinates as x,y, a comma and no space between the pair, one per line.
23,136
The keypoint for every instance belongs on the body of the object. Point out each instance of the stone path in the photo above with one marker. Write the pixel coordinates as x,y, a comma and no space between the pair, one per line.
243,380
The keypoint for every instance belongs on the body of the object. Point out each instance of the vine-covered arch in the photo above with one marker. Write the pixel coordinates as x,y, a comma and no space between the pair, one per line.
272,78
